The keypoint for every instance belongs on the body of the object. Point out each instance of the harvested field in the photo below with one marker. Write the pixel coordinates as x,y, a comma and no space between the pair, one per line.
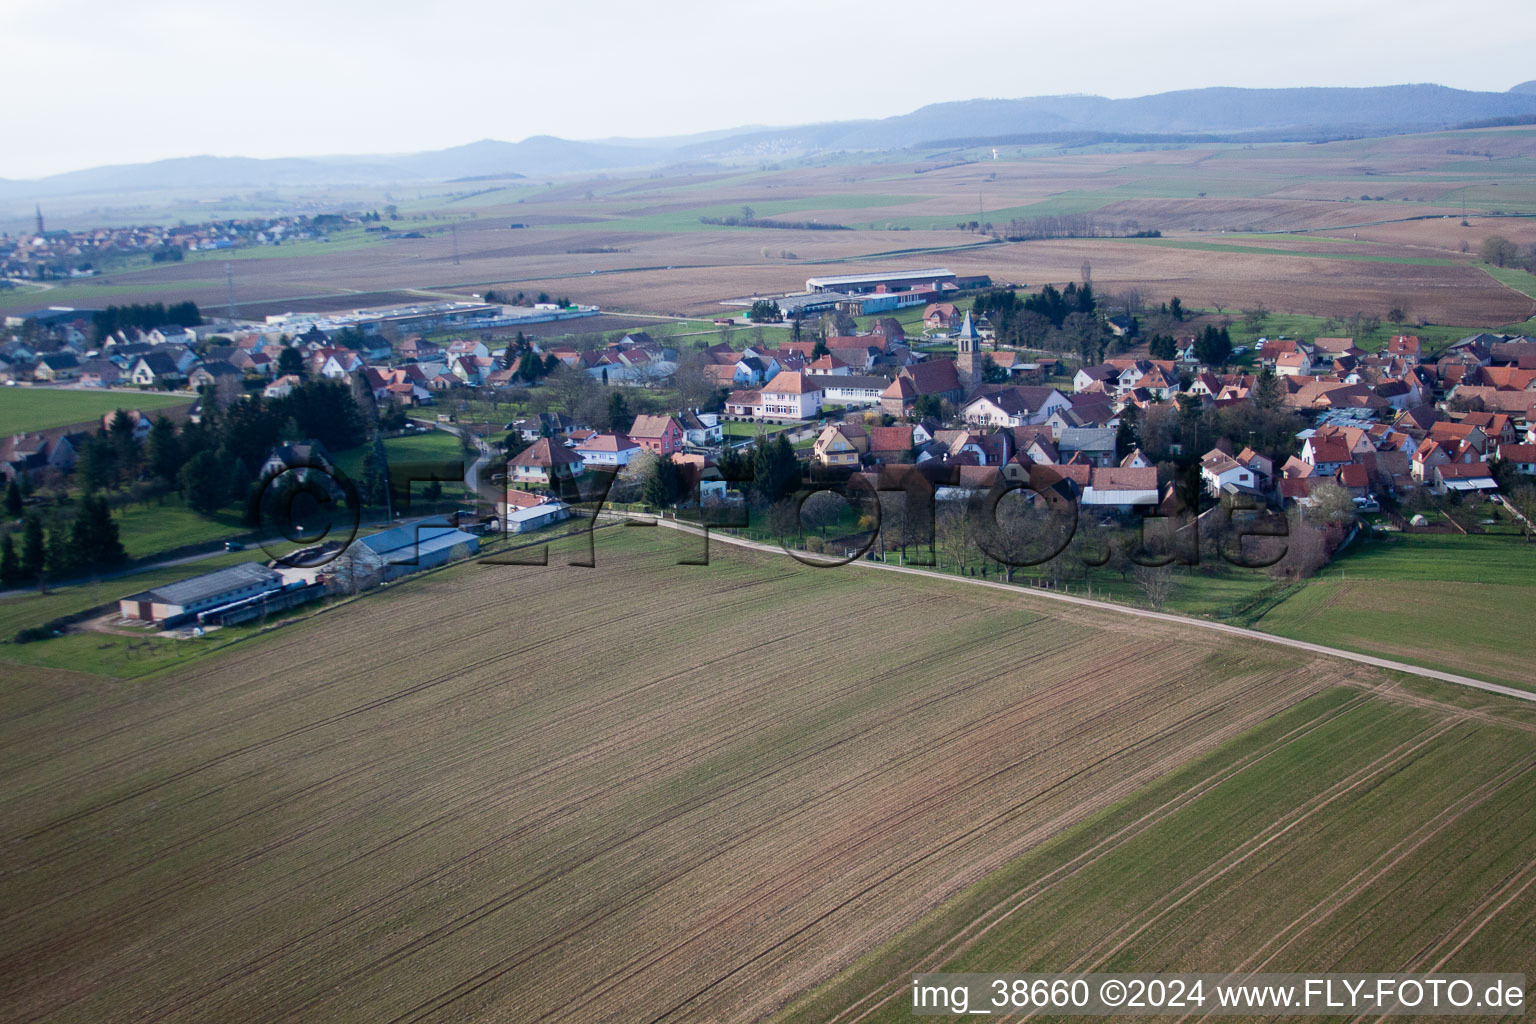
1352,833
657,790
906,212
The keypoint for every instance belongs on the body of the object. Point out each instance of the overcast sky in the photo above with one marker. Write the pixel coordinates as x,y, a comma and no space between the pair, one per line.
96,82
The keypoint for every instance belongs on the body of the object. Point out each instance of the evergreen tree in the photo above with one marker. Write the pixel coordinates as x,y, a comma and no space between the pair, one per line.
1162,346
94,539
61,559
125,447
1268,393
164,450
1128,434
362,398
290,361
1176,308
96,466
10,565
204,484
619,416
33,549
661,484
820,349
13,501
375,486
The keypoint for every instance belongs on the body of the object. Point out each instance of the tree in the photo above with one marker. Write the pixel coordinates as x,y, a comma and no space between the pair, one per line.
95,466
1254,317
991,373
820,349
1128,433
10,565
619,416
1213,346
204,483
765,311
93,537
125,447
1163,346
1176,308
34,552
60,560
290,361
1498,250
1157,583
1399,311
821,509
661,483
164,450
1268,393
13,500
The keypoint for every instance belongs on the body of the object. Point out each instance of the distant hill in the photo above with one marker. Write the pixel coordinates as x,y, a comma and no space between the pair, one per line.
1192,114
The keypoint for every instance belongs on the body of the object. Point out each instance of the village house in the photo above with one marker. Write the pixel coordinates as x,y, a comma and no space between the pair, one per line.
607,449
662,435
938,379
545,463
791,396
841,446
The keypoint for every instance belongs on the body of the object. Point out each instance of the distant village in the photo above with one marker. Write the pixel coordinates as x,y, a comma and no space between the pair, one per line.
1301,422
45,254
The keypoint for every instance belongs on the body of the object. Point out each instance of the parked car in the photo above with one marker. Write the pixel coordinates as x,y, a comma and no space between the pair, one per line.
233,545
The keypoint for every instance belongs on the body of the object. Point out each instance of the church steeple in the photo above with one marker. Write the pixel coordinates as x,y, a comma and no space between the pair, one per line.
968,358
39,208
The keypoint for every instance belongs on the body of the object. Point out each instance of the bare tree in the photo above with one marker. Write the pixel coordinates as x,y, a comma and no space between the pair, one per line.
1158,584
821,509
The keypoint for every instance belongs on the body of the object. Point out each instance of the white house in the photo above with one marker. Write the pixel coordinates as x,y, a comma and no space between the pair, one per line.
791,396
608,449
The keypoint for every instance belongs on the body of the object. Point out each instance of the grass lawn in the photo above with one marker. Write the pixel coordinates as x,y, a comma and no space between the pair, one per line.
24,409
152,527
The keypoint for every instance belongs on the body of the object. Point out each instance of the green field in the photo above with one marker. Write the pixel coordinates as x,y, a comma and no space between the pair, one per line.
25,409
1348,834
1521,281
1459,604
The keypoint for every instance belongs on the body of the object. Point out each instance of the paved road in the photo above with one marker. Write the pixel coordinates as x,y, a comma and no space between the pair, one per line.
1179,620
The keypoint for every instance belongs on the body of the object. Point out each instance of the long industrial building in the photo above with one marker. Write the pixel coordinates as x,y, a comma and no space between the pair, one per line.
857,284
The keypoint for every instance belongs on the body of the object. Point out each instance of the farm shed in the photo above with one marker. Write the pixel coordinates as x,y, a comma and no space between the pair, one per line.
415,546
176,602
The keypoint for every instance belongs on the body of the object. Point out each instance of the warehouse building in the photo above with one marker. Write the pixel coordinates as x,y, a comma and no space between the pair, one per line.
413,547
186,599
933,278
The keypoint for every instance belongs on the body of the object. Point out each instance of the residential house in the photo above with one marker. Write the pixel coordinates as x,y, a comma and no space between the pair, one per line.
791,396
841,446
937,379
662,435
608,449
940,316
545,463
156,370
701,429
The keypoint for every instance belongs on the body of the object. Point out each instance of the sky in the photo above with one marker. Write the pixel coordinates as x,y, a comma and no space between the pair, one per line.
108,82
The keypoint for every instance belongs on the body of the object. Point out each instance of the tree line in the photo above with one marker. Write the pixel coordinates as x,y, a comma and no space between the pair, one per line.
145,316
